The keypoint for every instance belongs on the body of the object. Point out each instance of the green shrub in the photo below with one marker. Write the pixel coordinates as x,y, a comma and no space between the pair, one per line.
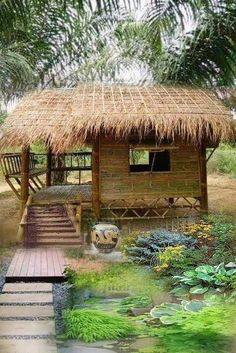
224,233
223,160
129,240
146,247
93,325
209,331
216,235
178,263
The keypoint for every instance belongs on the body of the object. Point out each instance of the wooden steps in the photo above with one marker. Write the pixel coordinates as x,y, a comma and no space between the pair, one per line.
49,225
63,228
47,242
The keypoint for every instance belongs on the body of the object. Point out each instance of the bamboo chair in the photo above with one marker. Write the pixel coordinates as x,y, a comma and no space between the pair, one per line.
11,168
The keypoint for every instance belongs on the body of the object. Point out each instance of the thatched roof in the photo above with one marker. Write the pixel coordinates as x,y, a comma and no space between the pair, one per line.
67,117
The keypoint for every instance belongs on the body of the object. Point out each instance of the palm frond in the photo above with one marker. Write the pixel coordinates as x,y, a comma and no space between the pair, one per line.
16,74
204,56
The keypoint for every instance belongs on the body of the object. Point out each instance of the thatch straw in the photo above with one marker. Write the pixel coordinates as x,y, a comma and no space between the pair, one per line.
67,117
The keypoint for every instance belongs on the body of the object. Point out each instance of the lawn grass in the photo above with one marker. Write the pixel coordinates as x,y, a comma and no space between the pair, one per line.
223,161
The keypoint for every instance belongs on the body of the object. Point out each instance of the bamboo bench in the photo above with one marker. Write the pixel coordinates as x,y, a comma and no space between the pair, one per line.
11,168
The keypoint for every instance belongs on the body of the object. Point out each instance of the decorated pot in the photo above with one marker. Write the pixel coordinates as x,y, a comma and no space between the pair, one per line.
105,236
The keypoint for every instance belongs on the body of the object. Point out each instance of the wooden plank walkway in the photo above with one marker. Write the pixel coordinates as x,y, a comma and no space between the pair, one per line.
37,264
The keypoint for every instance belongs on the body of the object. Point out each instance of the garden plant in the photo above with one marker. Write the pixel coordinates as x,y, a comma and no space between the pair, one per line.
187,268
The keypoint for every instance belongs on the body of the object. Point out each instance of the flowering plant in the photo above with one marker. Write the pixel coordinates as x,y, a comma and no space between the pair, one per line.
170,255
202,231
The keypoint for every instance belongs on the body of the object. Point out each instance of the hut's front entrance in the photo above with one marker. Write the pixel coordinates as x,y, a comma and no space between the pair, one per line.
53,190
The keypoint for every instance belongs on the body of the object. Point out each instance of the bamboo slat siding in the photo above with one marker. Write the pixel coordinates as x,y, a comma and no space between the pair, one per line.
117,183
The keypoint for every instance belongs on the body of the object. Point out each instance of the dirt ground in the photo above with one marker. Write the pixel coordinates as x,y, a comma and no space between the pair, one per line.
221,190
222,194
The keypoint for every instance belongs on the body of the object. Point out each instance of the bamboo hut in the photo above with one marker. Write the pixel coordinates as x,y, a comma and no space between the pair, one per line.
148,143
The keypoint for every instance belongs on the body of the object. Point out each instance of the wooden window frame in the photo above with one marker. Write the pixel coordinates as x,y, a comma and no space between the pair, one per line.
150,149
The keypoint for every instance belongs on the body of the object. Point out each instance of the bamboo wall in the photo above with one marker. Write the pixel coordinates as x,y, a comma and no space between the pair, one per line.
116,182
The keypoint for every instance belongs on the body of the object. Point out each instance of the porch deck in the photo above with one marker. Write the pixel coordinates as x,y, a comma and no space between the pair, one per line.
37,264
63,194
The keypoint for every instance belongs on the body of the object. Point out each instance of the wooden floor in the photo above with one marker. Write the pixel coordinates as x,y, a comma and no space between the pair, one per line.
63,194
37,264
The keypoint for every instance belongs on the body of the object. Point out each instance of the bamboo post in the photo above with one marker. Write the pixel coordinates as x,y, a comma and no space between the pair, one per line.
78,216
21,234
25,159
95,179
203,180
49,168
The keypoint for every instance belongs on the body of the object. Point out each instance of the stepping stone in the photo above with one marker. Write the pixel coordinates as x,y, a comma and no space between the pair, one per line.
82,349
26,298
27,287
22,311
27,328
27,346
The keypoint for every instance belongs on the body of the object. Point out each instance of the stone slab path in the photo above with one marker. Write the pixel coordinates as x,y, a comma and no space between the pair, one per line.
26,298
27,346
27,318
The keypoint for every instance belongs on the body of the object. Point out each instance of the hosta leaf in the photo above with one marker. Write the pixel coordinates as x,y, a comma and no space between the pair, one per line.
205,269
231,272
178,277
205,277
158,313
195,305
168,320
168,309
198,290
190,273
220,266
191,282
219,282
174,306
222,272
178,291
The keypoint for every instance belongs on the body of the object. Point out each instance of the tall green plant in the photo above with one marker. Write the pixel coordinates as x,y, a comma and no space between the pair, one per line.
93,325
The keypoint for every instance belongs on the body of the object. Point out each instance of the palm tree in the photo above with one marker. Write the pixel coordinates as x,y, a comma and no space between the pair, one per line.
186,42
16,75
169,41
205,55
42,42
165,41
